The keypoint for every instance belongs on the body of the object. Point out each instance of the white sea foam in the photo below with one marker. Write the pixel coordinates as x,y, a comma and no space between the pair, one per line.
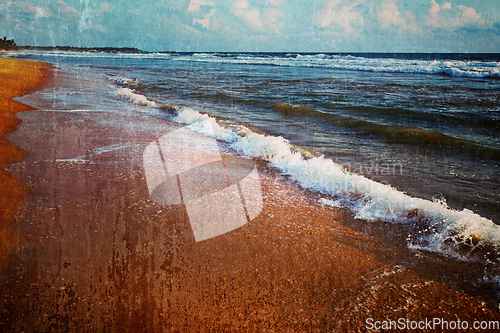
473,68
212,128
440,228
450,67
134,97
123,80
189,116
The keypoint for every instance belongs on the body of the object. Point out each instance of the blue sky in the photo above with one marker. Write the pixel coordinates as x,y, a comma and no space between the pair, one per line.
258,25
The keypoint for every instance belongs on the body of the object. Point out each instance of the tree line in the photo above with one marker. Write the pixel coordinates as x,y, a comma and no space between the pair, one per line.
7,44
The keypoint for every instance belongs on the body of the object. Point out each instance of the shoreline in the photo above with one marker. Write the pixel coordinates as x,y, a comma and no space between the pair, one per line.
98,254
17,78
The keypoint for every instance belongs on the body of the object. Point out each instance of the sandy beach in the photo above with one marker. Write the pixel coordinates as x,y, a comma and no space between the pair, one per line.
16,77
87,250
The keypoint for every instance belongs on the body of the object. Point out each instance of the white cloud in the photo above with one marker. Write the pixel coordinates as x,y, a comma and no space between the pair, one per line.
450,18
271,16
389,15
30,9
205,22
250,16
190,29
260,21
340,13
195,5
433,17
65,11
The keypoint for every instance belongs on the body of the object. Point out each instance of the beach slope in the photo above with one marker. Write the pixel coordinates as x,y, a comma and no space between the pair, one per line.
16,78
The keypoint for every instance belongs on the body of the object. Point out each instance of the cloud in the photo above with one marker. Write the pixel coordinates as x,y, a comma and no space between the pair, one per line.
205,22
389,15
107,6
340,13
190,29
263,21
252,24
37,12
195,5
448,17
250,16
178,28
65,11
42,12
271,16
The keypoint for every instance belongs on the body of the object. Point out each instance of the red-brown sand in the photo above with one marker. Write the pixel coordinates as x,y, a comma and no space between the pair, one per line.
98,255
16,78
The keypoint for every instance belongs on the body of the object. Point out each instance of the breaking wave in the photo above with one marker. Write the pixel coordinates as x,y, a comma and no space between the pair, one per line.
433,225
135,98
479,66
460,234
453,67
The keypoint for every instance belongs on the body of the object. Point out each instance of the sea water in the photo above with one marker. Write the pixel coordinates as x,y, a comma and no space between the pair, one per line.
411,140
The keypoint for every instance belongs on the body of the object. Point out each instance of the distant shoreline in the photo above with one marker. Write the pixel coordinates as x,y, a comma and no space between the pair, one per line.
84,49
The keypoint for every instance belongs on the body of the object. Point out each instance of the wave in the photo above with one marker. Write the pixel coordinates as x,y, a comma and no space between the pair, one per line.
465,68
135,98
432,225
484,120
293,109
463,234
407,135
474,67
127,93
415,136
89,54
123,80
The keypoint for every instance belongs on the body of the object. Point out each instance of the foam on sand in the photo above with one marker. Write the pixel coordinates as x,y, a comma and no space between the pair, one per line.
433,225
460,234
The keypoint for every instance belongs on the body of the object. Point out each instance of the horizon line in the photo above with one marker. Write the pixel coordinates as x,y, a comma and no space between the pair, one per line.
128,49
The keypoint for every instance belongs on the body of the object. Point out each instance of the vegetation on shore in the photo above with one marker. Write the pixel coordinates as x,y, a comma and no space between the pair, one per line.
85,49
8,44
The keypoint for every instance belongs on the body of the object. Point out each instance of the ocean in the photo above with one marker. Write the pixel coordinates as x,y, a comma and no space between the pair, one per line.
407,145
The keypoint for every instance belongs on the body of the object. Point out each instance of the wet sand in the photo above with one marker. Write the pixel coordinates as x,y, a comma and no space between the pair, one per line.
16,78
97,254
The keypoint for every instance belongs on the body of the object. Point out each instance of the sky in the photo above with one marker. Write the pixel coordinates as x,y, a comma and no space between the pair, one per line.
257,25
